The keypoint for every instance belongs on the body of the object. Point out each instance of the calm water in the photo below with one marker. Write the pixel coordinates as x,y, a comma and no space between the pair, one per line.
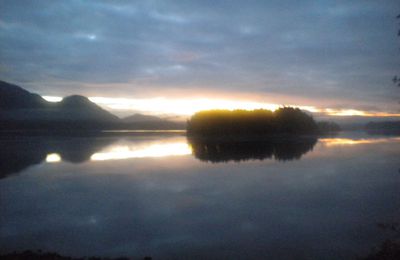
161,196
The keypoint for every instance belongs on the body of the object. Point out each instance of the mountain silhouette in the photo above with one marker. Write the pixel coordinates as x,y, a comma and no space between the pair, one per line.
140,121
23,110
81,108
142,118
385,127
14,97
19,105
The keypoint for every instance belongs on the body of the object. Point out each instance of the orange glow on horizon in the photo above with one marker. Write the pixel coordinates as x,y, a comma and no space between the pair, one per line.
187,107
353,112
348,141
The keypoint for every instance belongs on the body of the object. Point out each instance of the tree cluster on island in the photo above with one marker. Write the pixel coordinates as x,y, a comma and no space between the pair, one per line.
285,120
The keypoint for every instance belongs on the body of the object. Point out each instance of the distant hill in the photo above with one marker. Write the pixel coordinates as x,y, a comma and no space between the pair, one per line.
147,122
140,121
14,97
386,127
141,118
19,105
21,109
81,108
328,127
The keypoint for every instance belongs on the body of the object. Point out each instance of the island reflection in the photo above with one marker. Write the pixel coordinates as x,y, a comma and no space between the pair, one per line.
222,150
19,154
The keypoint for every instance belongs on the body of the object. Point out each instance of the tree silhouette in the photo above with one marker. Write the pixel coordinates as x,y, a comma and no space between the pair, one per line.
285,120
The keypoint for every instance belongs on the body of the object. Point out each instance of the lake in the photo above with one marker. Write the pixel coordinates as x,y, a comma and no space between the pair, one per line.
161,195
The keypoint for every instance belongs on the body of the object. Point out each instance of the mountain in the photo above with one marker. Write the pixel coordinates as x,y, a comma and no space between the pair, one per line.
147,122
385,127
23,110
141,118
20,109
14,97
80,108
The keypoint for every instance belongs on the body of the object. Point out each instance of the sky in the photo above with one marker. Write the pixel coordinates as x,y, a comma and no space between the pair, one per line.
176,56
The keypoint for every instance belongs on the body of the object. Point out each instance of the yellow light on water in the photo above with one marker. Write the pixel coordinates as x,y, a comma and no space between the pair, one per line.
348,141
120,152
53,158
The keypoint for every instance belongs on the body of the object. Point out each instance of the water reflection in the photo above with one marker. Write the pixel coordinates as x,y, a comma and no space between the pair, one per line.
349,141
18,155
216,150
323,206
118,152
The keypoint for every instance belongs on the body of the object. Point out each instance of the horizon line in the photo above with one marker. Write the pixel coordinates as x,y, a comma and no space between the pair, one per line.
187,107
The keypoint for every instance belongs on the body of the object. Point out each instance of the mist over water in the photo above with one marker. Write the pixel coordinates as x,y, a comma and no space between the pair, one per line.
171,197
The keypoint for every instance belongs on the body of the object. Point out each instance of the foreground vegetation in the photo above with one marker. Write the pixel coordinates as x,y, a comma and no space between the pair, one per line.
285,120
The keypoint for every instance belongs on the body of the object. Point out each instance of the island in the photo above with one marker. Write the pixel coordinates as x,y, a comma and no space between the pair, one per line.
285,120
241,135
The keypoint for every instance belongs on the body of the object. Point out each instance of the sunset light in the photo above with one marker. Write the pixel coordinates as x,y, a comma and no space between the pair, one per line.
52,98
177,106
53,158
120,152
199,129
189,106
348,141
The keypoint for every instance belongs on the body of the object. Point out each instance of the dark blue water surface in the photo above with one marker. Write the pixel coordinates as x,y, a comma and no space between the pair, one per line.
168,197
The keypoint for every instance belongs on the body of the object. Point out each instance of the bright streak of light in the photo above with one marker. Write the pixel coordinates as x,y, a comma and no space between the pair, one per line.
353,112
344,112
348,141
178,106
187,107
52,98
53,158
120,152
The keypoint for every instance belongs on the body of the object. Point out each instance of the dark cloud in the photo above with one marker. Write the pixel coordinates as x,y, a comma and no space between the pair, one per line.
337,50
